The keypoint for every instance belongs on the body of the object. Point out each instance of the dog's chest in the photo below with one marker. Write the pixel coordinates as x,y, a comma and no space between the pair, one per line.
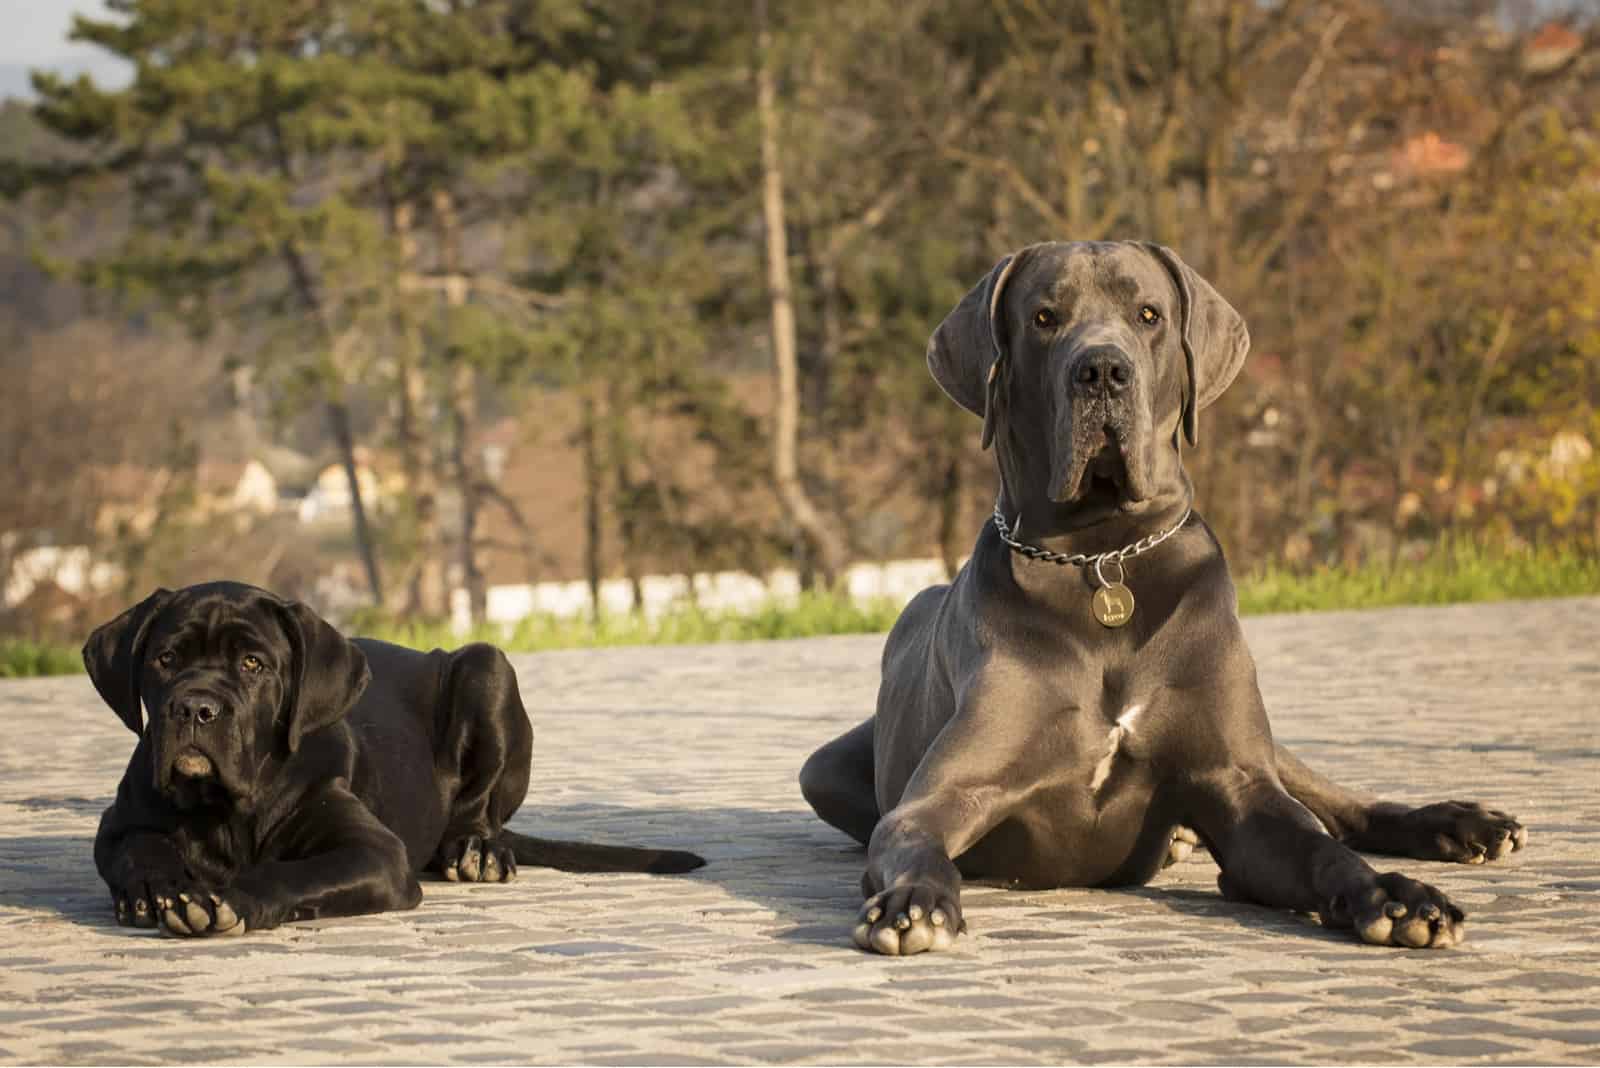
1088,819
217,849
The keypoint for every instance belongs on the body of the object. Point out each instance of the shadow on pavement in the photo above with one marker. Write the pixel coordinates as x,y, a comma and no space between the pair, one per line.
788,861
810,874
54,873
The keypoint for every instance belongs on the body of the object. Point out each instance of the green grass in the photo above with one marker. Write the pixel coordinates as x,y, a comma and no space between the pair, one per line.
22,658
1453,572
811,615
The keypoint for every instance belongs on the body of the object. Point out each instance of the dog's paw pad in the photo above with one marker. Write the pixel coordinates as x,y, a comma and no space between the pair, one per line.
1466,832
199,915
908,920
475,859
135,911
1402,912
142,904
1182,845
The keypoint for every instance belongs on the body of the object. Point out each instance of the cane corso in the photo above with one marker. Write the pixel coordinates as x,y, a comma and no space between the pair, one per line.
1081,696
288,773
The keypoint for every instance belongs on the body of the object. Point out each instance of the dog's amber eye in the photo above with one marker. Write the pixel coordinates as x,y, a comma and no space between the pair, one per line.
1044,318
1149,316
167,658
251,664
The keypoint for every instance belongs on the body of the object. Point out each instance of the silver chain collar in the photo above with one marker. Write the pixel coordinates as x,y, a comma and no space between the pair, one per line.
1097,560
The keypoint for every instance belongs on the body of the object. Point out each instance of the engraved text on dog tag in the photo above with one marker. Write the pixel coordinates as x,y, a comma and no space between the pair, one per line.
1113,604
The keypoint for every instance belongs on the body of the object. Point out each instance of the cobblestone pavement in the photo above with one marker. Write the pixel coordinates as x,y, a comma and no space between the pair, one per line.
749,959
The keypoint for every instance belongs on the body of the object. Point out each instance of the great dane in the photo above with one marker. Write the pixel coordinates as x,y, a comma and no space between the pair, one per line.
288,773
1081,695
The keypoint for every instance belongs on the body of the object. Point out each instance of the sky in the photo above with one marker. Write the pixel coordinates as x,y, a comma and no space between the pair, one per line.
33,33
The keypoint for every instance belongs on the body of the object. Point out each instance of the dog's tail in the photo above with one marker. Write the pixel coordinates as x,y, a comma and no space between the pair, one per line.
585,856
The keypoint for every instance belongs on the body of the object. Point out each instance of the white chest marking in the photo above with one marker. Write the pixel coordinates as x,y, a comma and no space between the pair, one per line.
1124,727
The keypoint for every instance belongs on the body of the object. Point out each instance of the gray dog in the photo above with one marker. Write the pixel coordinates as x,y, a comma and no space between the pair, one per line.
1081,694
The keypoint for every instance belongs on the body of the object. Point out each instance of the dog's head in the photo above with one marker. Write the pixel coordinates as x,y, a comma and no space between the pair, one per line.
230,676
1084,360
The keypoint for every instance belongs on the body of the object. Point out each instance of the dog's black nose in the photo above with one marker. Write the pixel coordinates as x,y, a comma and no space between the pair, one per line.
1104,370
199,709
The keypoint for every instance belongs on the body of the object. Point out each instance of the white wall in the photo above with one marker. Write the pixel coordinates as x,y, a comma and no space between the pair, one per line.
738,591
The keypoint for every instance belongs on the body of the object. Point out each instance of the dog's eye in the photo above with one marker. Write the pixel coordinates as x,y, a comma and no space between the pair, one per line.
251,664
1044,319
1149,316
167,659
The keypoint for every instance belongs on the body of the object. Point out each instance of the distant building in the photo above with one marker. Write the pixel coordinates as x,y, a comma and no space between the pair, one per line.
70,569
328,498
245,489
135,496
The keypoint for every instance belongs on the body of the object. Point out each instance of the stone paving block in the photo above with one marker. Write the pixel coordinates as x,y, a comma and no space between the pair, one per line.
1464,1048
749,961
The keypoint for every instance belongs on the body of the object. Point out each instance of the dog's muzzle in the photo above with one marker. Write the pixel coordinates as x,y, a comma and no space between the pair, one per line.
1100,448
199,735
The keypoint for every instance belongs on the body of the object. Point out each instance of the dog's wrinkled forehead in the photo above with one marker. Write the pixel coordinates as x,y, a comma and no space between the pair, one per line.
213,620
1091,278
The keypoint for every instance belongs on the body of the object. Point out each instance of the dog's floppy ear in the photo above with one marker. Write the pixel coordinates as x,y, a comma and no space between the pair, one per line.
327,672
114,656
967,353
1215,339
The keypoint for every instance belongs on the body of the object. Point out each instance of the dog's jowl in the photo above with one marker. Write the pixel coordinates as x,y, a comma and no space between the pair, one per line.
1078,706
284,772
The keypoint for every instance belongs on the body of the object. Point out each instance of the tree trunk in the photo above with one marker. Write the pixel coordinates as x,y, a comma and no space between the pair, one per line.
344,440
338,420
827,547
464,415
463,409
626,499
425,585
949,497
425,588
589,447
338,412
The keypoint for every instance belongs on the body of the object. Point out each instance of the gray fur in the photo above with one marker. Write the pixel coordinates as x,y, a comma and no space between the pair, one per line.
1016,738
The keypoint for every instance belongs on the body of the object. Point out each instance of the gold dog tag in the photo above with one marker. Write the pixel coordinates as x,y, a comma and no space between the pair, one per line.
1113,604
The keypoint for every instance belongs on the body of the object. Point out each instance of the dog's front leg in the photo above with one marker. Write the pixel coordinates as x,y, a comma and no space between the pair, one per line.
911,885
139,854
145,872
1461,831
1273,851
331,858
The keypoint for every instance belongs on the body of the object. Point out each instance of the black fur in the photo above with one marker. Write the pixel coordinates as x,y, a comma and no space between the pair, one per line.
287,772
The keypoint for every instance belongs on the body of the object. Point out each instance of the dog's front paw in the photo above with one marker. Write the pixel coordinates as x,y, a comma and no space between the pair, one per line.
909,919
201,914
1182,845
475,859
139,902
1397,911
1464,831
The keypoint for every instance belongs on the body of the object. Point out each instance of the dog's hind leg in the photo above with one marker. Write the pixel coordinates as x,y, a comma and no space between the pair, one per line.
491,740
487,735
837,781
1462,831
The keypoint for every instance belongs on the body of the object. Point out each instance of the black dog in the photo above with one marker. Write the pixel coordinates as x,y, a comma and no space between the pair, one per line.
1082,691
288,773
